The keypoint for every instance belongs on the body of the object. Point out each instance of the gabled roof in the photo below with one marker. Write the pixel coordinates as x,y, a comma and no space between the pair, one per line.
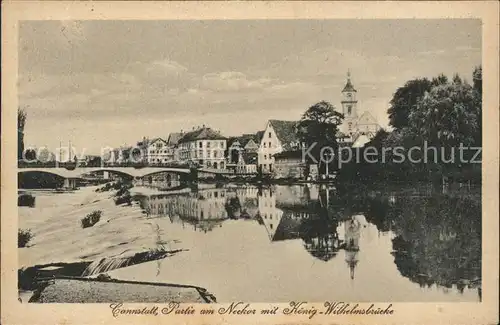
156,140
251,143
366,118
173,138
259,136
202,134
286,131
244,139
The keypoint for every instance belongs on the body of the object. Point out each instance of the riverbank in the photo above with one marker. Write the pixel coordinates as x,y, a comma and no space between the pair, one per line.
123,236
55,223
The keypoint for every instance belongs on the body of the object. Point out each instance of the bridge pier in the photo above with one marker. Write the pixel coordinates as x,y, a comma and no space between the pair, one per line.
69,183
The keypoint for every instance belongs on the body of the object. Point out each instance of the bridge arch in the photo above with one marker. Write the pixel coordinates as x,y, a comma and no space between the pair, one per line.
58,173
127,171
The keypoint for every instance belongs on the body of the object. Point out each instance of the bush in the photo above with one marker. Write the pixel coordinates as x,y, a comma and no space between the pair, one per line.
91,219
126,198
122,191
23,237
26,200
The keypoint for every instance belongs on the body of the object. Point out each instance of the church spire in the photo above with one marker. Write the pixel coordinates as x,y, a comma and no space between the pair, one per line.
348,86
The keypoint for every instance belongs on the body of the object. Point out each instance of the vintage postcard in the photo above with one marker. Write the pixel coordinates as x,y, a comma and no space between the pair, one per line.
250,162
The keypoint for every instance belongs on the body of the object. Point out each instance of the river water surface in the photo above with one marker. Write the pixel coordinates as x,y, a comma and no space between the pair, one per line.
312,243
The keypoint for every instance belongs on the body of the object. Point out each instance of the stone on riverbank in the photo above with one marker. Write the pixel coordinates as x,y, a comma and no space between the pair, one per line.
92,291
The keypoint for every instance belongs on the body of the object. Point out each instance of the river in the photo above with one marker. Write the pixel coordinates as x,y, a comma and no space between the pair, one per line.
282,243
306,242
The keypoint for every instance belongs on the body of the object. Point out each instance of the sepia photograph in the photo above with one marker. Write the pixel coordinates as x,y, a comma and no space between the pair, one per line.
160,159
186,162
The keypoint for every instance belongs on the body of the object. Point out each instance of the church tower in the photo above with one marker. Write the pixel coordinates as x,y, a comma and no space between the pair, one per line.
349,106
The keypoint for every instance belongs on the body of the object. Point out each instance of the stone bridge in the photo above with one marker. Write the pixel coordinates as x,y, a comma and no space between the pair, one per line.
130,171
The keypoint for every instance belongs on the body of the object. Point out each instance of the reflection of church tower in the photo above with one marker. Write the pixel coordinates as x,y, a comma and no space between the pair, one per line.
349,106
352,235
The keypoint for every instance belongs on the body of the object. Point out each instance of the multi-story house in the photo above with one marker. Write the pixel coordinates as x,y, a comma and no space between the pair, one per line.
173,145
242,153
278,136
203,146
154,151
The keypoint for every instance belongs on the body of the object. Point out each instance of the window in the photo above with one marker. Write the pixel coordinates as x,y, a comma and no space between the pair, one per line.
349,109
269,144
215,153
264,145
265,157
208,144
269,134
222,144
200,144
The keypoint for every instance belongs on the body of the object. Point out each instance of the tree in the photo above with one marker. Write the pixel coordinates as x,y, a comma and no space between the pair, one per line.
45,156
405,99
439,80
21,122
447,116
30,154
477,79
319,126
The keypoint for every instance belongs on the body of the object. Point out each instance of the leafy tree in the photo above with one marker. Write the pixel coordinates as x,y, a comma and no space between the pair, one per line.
30,154
447,115
319,126
44,155
439,80
477,77
405,99
21,122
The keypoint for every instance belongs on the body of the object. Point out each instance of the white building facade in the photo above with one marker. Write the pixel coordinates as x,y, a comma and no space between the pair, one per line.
204,147
278,136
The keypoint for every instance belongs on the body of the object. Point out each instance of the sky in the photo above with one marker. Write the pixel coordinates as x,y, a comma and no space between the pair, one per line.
111,83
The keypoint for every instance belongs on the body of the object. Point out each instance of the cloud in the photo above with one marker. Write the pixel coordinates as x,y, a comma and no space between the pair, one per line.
232,81
435,52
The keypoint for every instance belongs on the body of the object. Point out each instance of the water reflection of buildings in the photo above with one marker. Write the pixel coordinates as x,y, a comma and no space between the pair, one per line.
204,209
294,212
